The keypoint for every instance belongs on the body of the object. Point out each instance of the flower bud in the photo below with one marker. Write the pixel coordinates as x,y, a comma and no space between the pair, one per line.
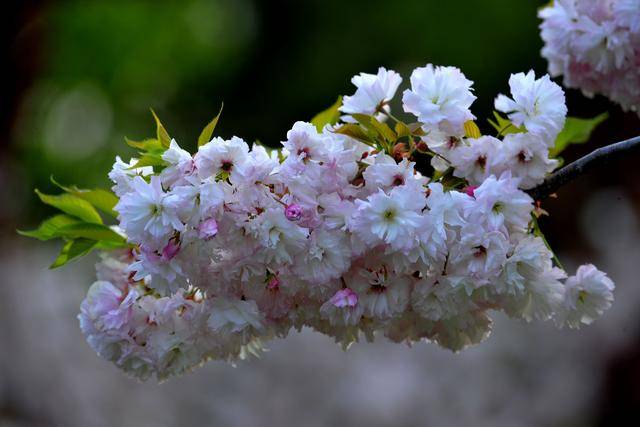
273,283
469,190
422,147
170,250
293,212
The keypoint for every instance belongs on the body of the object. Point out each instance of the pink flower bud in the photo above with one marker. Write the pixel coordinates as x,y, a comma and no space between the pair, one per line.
273,283
170,250
344,298
293,212
208,229
469,190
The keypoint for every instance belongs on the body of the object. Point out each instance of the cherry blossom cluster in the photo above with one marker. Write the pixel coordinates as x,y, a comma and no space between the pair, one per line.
595,45
236,245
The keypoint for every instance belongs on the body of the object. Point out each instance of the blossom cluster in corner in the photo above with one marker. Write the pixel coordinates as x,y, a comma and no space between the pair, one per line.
236,245
595,45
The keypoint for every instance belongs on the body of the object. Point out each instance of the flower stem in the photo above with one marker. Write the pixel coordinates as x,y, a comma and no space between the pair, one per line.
581,166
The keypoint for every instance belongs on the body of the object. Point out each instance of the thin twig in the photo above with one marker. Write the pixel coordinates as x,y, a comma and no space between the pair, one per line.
581,166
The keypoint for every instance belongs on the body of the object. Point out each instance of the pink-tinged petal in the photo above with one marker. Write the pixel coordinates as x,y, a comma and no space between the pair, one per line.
345,298
208,229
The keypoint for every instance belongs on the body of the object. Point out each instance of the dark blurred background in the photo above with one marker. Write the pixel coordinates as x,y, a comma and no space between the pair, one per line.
81,75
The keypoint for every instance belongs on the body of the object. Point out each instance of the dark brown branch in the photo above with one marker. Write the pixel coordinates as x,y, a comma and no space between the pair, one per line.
581,166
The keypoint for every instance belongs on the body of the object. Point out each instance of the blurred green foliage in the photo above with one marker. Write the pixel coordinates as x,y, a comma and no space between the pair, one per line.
106,63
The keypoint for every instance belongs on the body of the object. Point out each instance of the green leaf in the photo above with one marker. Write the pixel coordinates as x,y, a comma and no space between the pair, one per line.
110,246
576,131
151,154
500,122
330,116
102,199
416,129
145,145
402,130
162,134
366,122
384,130
471,129
48,227
207,132
356,132
91,231
504,126
150,158
375,128
151,150
73,249
72,205
380,133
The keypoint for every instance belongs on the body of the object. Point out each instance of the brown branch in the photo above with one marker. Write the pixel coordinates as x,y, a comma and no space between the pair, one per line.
581,166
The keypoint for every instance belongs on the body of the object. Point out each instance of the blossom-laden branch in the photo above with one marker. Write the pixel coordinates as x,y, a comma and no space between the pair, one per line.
581,166
219,251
